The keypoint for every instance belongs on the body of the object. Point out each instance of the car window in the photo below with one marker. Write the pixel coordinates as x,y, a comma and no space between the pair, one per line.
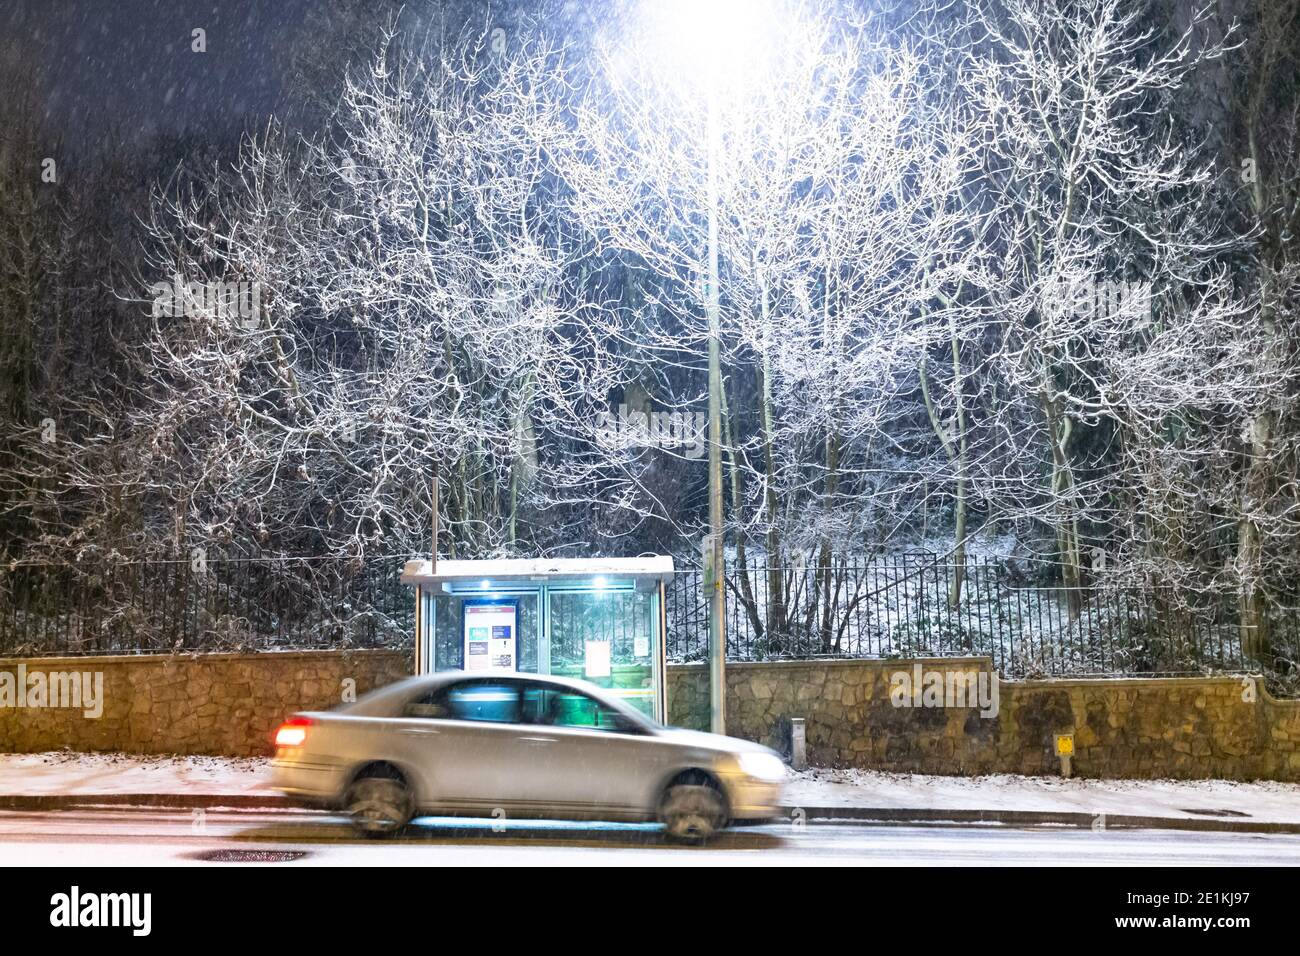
429,706
481,701
561,707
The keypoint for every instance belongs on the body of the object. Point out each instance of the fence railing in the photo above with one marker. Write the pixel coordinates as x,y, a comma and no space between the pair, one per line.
855,606
904,606
214,604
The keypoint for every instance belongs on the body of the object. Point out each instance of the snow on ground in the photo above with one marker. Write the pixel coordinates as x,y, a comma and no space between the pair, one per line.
1263,801
1260,801
78,773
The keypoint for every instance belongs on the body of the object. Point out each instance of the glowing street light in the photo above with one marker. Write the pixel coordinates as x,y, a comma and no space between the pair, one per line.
713,41
704,40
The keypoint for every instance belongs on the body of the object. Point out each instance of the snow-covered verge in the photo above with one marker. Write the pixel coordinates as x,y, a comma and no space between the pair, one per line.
66,772
1259,801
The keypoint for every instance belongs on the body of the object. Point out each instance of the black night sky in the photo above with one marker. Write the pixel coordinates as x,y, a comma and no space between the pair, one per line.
126,67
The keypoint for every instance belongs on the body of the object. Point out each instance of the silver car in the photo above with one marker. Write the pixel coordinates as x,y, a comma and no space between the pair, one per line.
521,745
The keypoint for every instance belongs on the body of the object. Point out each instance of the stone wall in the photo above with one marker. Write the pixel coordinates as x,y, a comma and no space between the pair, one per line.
189,704
1187,728
1140,728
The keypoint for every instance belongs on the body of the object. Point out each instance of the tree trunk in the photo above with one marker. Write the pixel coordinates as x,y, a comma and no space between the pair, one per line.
1252,601
777,624
824,570
1067,525
954,447
737,500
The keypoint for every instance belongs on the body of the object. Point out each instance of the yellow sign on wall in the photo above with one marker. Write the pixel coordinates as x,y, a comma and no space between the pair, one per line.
1065,745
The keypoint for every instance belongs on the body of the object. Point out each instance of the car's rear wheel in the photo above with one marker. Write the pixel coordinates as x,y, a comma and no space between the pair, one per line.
692,812
380,805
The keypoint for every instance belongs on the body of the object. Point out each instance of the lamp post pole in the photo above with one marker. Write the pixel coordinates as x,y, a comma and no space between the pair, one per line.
716,579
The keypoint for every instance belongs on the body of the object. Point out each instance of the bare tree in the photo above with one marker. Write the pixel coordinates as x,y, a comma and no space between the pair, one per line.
838,174
414,315
1095,191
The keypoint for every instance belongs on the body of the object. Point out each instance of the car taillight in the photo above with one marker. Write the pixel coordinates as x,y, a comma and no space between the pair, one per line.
293,732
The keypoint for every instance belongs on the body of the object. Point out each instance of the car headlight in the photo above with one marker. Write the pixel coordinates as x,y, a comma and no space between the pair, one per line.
762,766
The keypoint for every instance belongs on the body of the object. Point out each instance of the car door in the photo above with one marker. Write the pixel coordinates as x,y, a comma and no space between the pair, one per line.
469,741
591,760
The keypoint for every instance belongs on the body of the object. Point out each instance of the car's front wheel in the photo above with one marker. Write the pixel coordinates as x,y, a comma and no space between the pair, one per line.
379,806
692,812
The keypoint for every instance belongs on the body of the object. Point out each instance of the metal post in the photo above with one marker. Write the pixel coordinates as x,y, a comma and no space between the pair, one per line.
419,630
661,655
717,595
798,744
433,500
421,624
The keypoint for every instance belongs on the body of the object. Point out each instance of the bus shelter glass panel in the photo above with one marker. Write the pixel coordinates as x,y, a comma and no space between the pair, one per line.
473,622
605,637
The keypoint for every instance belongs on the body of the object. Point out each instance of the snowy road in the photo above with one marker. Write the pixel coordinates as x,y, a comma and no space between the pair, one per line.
146,837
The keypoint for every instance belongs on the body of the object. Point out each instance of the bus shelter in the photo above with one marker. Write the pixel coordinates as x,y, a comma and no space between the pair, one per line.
597,619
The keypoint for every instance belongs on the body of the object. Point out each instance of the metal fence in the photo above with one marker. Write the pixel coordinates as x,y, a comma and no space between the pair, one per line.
884,607
208,603
903,606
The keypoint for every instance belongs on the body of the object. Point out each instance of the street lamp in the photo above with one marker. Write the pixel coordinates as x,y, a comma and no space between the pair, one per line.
717,567
714,38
